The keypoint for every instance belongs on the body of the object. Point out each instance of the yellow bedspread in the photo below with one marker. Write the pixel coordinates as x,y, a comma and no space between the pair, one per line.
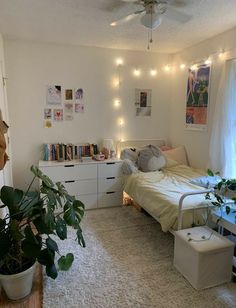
159,193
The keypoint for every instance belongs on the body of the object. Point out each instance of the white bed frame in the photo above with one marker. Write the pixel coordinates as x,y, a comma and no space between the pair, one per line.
160,142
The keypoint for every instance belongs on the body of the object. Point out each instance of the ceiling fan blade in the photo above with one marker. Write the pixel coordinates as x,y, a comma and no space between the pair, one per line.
126,18
113,5
176,15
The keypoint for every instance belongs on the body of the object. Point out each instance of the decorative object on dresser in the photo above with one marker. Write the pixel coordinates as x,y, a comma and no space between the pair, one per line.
29,231
108,148
97,183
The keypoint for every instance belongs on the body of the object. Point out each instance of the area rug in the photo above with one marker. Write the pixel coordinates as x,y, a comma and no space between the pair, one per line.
128,262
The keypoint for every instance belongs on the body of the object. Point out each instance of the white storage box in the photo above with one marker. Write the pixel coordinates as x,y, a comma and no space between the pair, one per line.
203,256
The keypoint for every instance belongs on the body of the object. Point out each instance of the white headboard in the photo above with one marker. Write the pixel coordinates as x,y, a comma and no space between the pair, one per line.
138,144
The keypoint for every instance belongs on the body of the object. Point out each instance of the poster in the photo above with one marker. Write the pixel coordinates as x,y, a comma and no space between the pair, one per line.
68,107
143,102
79,100
47,113
197,97
58,115
68,94
79,107
54,95
69,117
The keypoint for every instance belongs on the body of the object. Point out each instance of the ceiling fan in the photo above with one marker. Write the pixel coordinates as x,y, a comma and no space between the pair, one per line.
152,11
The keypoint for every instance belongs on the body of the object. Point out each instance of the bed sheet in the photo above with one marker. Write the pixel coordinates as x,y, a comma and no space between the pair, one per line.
159,193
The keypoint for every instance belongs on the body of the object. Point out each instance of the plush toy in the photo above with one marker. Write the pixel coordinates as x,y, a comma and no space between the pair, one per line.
150,158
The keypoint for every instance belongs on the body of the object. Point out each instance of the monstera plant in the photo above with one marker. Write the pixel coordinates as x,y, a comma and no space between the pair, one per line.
29,231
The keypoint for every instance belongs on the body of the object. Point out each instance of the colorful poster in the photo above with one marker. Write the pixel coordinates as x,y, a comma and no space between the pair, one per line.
54,95
197,97
143,102
58,115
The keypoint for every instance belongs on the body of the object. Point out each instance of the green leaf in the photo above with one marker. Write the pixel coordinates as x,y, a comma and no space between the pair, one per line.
61,228
65,262
209,172
73,213
51,244
80,237
31,246
30,250
18,195
15,230
227,209
51,271
45,179
7,196
46,257
4,244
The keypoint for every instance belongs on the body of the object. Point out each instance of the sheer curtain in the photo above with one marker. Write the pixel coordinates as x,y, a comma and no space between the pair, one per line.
223,136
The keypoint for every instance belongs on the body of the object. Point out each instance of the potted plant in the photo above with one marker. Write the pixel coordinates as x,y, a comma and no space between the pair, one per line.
35,220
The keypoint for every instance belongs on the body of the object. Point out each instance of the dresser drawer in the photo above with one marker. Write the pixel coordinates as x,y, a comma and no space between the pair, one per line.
82,187
109,170
70,172
110,199
89,201
110,184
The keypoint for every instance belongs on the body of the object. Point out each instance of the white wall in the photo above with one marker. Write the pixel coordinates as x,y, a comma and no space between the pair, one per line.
197,142
32,66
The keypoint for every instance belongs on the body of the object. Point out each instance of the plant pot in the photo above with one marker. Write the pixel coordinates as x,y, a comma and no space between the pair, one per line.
18,286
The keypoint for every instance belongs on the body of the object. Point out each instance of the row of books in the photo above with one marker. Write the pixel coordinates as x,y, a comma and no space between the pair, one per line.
61,151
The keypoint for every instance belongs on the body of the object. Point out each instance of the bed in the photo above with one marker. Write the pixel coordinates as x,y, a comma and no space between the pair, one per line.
168,195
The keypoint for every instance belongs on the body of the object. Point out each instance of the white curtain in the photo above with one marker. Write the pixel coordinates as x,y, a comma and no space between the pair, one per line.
223,136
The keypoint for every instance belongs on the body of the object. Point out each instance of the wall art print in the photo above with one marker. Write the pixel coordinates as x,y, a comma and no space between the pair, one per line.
197,100
143,102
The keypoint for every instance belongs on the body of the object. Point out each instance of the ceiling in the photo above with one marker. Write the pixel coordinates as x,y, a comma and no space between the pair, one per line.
87,22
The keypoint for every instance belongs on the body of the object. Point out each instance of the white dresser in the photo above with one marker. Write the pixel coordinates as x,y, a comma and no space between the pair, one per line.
96,184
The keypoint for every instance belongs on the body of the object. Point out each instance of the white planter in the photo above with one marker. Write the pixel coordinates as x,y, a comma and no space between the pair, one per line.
19,285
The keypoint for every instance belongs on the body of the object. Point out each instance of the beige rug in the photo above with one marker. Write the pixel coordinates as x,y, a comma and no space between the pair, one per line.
127,263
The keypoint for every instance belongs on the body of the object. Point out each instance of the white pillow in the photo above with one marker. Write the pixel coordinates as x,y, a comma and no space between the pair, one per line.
206,181
176,156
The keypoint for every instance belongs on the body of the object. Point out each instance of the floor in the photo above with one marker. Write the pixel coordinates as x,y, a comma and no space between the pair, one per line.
128,262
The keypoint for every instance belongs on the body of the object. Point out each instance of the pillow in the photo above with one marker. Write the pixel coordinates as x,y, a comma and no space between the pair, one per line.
150,158
129,153
128,167
206,181
165,148
178,155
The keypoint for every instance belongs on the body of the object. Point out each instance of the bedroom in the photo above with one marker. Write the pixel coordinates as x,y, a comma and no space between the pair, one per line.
71,43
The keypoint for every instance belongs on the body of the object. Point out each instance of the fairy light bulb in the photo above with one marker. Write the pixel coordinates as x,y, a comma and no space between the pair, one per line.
167,68
208,61
119,62
153,72
182,66
193,67
117,103
121,122
137,72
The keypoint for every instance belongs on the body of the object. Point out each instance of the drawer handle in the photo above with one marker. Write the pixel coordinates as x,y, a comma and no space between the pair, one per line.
110,163
111,178
110,192
69,166
69,181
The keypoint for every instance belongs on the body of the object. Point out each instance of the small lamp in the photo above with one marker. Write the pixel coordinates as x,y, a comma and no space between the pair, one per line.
108,148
